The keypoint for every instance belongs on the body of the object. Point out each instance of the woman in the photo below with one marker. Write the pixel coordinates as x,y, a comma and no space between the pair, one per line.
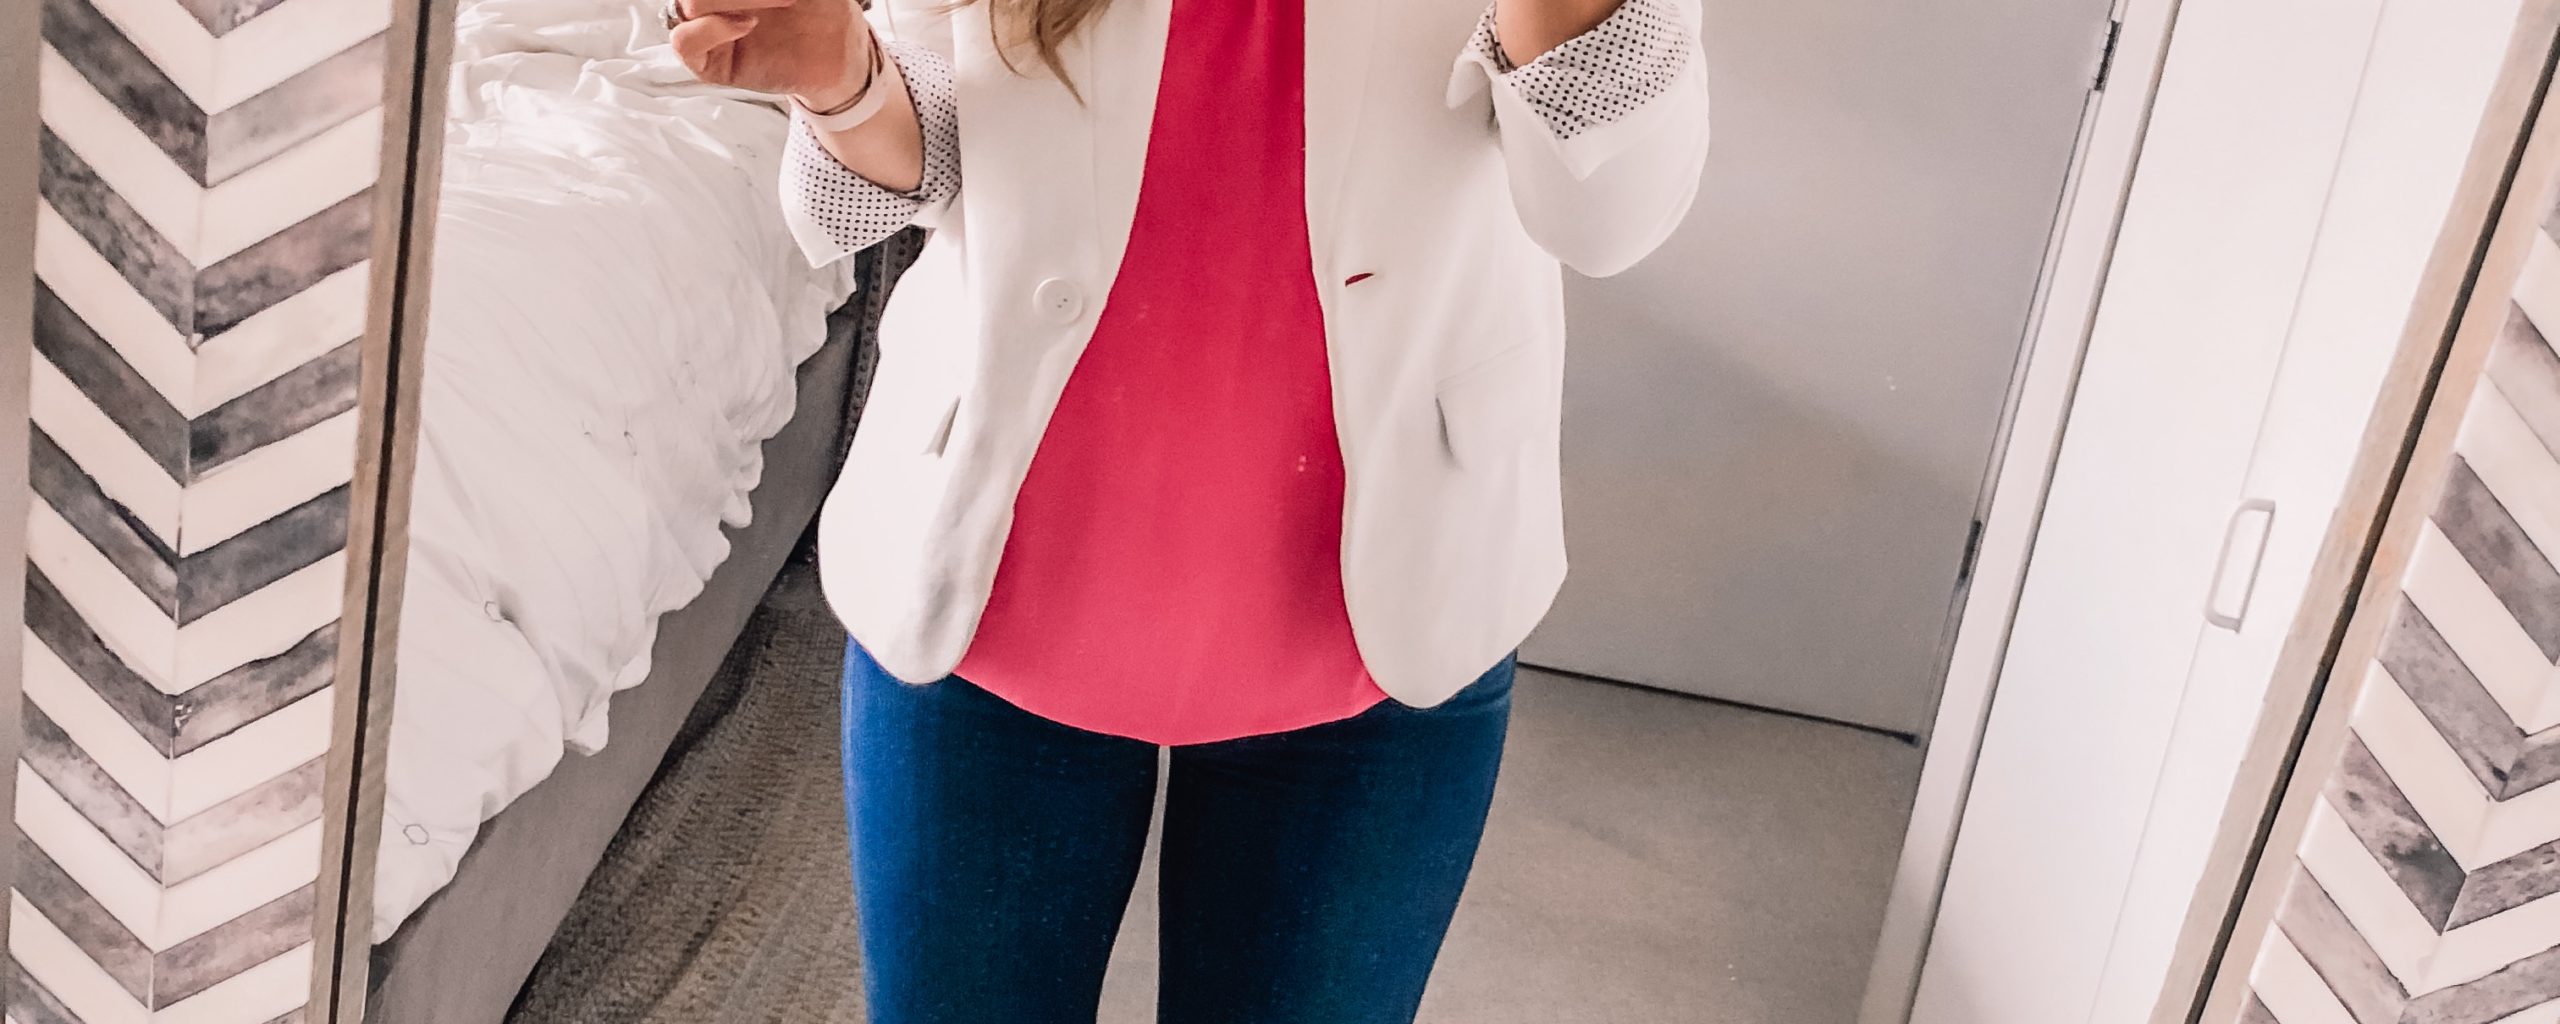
1219,415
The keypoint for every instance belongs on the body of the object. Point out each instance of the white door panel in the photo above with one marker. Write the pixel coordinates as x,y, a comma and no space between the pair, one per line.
2432,62
2120,721
2217,240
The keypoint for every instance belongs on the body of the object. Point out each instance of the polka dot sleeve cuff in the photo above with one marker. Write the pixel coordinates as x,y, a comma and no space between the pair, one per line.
834,212
1597,77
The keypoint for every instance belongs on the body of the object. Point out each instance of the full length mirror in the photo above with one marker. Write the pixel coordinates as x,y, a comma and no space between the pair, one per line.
1039,511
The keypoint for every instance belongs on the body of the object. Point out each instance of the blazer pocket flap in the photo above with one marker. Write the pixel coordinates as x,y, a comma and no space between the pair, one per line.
1485,410
939,436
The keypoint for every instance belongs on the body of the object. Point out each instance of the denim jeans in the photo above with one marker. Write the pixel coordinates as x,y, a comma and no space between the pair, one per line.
1307,877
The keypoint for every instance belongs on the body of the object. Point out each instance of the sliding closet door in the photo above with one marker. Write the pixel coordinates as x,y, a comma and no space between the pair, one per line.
2301,160
2409,874
2433,68
2216,235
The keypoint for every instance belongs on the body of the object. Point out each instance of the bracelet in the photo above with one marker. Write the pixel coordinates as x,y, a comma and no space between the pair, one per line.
866,103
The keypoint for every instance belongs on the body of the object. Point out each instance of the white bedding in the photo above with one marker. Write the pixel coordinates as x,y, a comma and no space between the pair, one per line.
616,315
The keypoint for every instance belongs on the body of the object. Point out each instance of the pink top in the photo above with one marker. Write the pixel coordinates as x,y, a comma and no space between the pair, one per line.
1174,569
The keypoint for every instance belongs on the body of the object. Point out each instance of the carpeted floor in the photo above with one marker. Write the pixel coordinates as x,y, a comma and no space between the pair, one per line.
1652,860
727,898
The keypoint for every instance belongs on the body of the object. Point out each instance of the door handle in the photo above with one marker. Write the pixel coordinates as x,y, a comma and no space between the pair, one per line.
2248,583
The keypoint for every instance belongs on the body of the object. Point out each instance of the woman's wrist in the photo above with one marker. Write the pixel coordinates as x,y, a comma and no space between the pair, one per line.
834,100
861,74
1527,29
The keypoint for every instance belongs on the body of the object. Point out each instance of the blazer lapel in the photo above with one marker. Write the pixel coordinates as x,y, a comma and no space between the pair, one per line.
1341,46
1119,82
1067,170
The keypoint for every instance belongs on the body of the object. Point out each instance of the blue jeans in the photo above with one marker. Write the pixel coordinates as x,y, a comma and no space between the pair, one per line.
1307,877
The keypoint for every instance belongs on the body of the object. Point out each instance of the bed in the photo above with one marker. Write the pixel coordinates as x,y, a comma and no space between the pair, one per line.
637,391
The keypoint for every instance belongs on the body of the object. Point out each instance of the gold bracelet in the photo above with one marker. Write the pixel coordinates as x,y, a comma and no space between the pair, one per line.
870,78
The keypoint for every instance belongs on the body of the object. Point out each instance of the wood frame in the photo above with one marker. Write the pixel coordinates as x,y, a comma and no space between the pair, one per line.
405,207
18,170
393,358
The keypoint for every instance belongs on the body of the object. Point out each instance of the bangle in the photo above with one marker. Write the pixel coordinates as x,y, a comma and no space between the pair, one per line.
865,104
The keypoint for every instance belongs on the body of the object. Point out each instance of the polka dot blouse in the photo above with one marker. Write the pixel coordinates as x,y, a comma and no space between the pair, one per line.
854,212
1588,81
1599,76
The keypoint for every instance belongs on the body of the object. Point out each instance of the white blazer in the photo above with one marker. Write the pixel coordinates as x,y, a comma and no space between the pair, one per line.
1435,184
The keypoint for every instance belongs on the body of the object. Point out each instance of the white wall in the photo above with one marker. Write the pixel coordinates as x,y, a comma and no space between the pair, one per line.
1777,428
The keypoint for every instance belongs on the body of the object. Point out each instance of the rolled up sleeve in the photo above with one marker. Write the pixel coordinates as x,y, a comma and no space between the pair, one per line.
1605,135
832,211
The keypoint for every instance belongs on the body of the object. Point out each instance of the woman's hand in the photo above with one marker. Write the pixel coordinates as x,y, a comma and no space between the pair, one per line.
817,50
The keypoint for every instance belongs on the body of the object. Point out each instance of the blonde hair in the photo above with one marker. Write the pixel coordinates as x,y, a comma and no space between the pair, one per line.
1043,24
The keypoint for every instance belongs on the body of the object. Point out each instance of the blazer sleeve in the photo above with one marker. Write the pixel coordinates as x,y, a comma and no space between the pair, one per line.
1604,136
833,212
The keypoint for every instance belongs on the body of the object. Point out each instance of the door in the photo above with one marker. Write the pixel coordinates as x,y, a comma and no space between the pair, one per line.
1777,428
2432,67
2302,158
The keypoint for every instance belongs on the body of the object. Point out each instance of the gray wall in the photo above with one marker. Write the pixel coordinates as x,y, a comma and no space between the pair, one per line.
1777,428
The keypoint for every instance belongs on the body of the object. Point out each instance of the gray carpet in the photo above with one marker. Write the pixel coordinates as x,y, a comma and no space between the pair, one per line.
727,897
1652,860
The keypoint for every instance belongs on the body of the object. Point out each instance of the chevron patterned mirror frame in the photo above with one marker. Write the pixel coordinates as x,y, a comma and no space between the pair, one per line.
223,224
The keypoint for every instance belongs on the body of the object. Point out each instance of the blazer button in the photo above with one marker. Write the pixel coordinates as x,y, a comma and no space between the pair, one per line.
1058,299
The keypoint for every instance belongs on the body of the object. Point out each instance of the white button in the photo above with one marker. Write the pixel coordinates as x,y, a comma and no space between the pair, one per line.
1059,299
491,609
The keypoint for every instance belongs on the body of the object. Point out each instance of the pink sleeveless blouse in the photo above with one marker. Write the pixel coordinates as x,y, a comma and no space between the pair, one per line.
1174,569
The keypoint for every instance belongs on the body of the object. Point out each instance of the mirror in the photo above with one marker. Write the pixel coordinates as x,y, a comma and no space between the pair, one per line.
1782,402
806,511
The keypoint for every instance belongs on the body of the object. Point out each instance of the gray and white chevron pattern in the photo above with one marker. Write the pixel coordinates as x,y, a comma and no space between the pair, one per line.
208,168
2426,888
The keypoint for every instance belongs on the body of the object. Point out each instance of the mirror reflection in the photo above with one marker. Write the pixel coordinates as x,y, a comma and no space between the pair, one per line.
1026,511
1185,387
1185,383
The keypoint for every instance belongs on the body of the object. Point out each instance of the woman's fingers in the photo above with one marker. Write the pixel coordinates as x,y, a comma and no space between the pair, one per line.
706,8
703,43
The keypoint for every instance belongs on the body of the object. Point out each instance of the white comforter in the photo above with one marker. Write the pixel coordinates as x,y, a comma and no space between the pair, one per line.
617,313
